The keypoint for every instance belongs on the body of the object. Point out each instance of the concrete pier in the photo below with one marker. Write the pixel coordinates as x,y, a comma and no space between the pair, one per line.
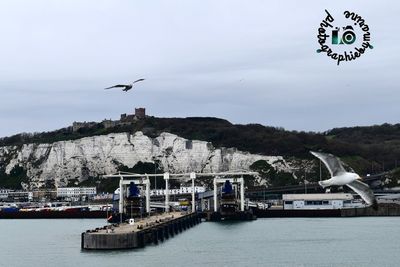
149,230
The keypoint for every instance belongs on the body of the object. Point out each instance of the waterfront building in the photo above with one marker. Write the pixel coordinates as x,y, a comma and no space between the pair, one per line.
319,201
15,196
178,191
4,193
75,191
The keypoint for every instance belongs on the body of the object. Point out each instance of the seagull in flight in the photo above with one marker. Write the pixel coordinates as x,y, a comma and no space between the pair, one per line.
126,87
341,177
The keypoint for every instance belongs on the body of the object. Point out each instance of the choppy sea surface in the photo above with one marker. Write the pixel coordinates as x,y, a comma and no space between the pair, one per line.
361,241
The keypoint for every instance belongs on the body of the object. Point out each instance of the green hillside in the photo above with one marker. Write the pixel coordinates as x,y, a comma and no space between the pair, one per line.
368,149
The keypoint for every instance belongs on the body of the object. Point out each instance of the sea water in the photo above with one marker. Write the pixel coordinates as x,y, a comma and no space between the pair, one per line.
360,241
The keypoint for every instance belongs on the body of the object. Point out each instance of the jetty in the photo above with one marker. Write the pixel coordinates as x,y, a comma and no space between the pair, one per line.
140,221
138,233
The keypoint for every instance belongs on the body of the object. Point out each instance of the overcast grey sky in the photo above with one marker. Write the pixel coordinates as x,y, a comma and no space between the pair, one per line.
246,61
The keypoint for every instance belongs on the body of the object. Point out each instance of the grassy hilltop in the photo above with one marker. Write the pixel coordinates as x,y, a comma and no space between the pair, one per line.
368,149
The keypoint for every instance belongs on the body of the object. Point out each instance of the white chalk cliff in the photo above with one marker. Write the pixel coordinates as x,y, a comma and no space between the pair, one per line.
97,155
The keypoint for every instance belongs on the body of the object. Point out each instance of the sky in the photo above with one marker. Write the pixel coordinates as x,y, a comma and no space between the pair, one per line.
245,61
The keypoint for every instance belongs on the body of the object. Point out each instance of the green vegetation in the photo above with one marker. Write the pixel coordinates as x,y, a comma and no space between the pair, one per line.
369,149
149,168
14,179
273,177
102,184
142,167
394,178
110,184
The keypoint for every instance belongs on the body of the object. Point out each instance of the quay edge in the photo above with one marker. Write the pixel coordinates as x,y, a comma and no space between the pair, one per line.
102,239
384,209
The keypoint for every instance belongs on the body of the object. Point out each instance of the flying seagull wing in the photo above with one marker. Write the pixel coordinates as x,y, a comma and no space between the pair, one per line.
364,191
333,164
138,81
116,86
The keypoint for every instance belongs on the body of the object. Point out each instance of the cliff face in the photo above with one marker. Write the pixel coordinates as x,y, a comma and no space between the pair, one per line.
94,156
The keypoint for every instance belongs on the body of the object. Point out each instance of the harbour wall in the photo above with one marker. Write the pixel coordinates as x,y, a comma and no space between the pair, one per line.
100,239
384,209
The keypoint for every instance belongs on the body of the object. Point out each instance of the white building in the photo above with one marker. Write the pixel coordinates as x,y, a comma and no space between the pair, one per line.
4,193
76,191
178,191
319,201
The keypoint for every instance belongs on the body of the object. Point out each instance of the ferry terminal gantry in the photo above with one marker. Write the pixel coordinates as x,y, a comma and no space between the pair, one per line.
136,234
144,180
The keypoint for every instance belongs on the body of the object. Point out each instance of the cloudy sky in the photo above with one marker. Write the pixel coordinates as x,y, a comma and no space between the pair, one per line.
246,61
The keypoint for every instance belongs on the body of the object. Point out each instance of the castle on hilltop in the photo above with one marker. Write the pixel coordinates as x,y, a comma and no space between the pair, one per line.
125,119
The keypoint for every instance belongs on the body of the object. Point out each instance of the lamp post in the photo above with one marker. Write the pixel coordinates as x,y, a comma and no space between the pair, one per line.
305,182
155,177
320,171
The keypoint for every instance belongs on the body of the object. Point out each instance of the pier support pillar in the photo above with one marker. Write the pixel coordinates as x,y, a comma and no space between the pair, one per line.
147,183
242,194
166,230
121,198
215,195
193,176
166,178
155,236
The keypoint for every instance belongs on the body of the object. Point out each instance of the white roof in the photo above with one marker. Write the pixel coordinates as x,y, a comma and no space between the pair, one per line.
328,196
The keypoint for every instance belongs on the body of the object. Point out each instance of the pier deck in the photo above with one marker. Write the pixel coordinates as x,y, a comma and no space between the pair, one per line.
143,231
